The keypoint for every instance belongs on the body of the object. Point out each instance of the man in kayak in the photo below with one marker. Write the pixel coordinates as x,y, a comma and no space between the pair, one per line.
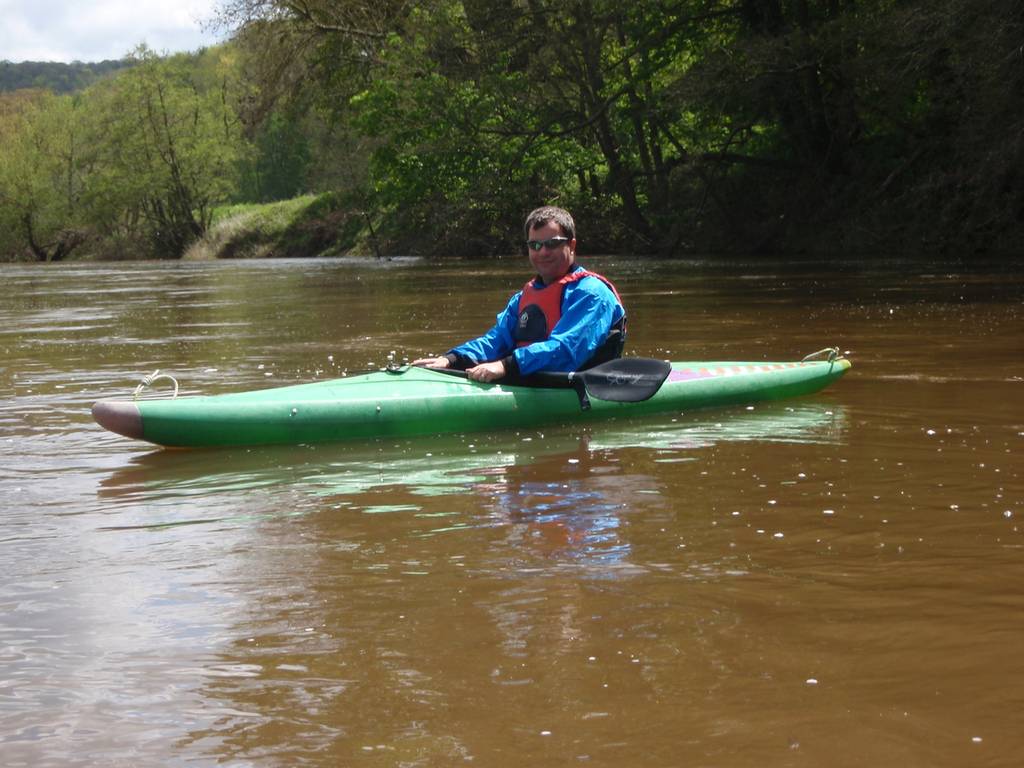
564,319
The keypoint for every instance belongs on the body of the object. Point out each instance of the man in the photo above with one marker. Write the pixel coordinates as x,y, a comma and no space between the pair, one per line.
564,319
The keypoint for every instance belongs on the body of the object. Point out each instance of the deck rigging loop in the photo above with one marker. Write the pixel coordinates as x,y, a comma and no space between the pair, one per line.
831,352
148,381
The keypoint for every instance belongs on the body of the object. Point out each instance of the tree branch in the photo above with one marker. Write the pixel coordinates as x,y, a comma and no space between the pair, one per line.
303,11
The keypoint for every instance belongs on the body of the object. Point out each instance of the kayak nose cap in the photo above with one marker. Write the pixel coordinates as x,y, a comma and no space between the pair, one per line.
118,416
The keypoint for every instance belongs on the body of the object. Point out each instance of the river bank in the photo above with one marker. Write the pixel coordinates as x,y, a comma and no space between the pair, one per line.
309,225
332,225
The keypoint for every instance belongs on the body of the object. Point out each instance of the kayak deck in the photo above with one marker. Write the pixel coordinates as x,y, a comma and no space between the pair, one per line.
420,401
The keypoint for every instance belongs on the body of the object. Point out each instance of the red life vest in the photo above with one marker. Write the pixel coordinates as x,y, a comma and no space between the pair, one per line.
536,326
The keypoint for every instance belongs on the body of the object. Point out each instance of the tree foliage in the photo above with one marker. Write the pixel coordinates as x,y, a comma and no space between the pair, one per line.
173,147
42,171
278,166
54,75
136,162
884,125
672,124
666,126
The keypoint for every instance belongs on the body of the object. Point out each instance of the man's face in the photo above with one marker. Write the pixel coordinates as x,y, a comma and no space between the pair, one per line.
551,263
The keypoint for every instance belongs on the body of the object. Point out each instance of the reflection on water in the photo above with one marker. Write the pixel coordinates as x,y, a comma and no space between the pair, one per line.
355,475
826,581
574,520
446,463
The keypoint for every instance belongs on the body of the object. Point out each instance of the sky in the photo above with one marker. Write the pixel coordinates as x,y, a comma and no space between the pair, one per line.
94,30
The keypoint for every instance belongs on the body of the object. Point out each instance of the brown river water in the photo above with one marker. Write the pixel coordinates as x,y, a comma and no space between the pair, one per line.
836,580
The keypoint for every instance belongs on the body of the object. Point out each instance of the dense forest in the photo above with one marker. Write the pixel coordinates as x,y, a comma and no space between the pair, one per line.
54,75
431,127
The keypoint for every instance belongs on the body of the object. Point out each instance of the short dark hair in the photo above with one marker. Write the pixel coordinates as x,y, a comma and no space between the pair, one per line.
541,216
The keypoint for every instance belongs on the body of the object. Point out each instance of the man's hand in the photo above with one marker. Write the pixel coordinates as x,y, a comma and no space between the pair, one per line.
487,371
432,362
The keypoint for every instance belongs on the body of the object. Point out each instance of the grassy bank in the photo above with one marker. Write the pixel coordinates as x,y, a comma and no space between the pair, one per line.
310,225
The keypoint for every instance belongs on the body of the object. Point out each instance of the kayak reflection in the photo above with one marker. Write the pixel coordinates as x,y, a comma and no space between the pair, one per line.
379,476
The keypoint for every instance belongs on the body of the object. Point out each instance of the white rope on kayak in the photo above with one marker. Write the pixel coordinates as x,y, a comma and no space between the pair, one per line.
148,381
831,352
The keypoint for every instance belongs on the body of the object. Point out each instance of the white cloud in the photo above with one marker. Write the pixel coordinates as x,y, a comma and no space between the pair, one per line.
93,30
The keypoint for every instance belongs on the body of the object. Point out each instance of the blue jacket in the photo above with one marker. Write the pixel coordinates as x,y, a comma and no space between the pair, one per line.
589,309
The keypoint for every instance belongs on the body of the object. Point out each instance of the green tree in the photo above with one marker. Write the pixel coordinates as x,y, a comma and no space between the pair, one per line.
494,107
42,175
479,110
871,124
756,125
168,147
278,165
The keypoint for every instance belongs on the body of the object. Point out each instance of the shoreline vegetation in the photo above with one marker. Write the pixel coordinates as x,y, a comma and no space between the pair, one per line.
304,226
830,127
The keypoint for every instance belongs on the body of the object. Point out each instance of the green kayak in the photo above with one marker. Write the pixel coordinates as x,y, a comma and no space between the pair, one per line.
419,401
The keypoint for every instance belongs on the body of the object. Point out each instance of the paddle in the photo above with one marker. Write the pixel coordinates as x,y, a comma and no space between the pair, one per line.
625,380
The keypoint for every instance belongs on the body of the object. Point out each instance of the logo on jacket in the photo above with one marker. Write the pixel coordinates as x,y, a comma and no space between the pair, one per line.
532,325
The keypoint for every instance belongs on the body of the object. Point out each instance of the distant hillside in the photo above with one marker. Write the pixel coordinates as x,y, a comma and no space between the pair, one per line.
54,75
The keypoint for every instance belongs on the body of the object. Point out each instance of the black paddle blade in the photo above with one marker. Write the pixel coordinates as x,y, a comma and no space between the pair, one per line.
624,380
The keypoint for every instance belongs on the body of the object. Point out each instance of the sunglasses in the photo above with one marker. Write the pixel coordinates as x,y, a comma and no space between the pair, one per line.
551,242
